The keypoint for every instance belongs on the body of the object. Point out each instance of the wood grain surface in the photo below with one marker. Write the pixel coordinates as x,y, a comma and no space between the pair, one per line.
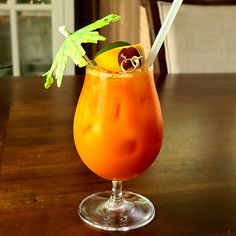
192,183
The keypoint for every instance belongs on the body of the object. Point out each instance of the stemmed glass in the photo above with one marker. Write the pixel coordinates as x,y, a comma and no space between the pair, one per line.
118,123
118,131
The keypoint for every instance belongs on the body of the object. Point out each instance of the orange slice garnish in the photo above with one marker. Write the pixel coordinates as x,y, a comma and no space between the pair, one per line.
108,60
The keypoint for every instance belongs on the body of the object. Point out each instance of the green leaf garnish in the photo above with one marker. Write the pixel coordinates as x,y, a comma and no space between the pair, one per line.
71,47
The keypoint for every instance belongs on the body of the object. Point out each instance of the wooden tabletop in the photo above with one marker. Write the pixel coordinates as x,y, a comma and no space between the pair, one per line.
192,183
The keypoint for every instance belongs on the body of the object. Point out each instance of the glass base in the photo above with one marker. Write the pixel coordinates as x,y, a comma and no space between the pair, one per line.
133,211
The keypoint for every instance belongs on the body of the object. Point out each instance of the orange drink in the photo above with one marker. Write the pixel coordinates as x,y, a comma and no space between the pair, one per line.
118,122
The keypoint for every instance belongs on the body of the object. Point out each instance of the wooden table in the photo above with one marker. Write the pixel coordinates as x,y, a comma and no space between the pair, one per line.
192,183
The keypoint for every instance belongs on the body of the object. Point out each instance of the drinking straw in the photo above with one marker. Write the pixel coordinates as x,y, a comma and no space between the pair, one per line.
163,32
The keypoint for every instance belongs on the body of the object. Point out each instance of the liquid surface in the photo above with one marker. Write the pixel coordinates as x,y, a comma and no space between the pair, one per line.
118,123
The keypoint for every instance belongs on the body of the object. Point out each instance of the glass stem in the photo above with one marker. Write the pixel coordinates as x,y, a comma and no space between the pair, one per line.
116,198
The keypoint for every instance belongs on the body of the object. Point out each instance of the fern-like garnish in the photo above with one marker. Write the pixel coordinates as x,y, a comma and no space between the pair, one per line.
71,47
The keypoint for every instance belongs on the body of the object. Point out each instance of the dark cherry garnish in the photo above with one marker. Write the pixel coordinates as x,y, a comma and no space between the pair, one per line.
129,58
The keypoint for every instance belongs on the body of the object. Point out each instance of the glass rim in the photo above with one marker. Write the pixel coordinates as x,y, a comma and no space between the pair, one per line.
119,73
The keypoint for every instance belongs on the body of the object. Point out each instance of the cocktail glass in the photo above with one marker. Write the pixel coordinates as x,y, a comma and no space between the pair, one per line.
118,130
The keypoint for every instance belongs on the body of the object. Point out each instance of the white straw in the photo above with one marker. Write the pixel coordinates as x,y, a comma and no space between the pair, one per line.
163,32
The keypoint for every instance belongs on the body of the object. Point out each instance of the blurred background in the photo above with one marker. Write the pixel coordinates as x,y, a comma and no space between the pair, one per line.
29,38
201,39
